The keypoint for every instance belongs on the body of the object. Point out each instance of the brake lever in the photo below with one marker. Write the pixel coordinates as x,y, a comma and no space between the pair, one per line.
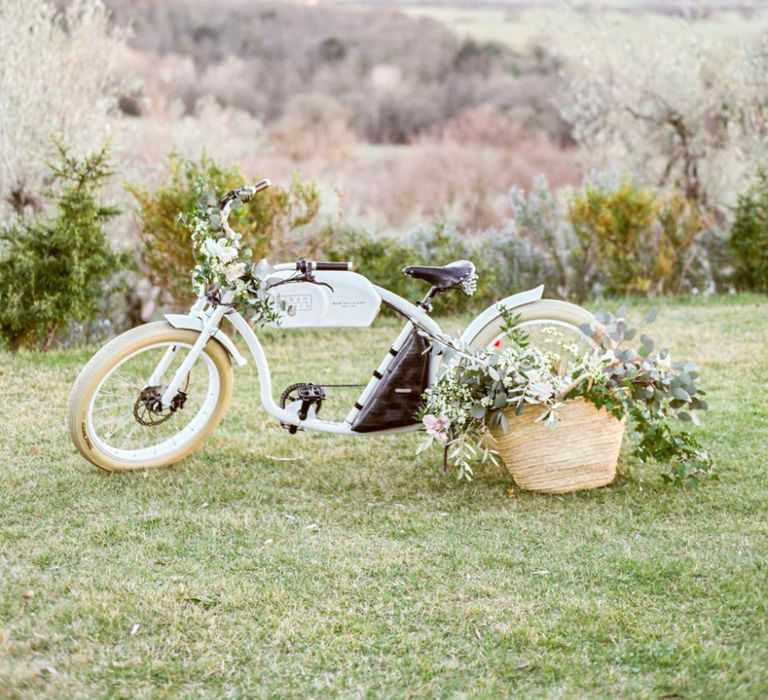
305,277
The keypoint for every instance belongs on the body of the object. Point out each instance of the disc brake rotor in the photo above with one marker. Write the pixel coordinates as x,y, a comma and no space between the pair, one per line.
148,409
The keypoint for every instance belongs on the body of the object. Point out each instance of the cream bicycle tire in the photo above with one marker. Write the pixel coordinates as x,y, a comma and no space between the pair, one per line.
126,346
558,312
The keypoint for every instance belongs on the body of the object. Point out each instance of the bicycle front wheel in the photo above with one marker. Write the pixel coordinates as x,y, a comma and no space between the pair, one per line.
115,418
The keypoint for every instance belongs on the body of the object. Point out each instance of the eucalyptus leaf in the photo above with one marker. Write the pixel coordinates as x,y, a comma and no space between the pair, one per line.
647,341
477,411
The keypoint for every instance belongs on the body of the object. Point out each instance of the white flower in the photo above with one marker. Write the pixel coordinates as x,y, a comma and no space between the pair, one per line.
262,269
235,271
218,249
541,391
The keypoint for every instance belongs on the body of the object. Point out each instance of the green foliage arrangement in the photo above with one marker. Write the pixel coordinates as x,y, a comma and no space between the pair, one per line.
166,244
749,236
480,386
53,270
634,239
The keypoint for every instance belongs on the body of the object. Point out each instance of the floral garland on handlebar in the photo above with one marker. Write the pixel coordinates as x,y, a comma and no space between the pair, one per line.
223,264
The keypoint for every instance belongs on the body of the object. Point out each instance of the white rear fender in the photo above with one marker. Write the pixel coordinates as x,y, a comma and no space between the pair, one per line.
511,302
192,323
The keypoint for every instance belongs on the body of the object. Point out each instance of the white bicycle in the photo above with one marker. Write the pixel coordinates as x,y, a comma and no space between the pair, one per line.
152,395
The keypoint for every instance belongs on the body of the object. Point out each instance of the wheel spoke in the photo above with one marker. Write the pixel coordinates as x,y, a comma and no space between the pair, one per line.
130,384
119,424
126,441
116,404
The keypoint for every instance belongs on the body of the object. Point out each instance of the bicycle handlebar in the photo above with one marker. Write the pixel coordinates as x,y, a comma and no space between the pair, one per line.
244,194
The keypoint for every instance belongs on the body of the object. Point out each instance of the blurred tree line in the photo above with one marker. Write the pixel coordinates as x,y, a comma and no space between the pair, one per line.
394,76
676,204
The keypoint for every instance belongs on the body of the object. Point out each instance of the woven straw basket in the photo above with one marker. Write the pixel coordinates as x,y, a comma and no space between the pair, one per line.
579,453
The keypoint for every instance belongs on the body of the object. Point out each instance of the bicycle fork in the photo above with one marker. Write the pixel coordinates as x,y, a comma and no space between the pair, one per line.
210,326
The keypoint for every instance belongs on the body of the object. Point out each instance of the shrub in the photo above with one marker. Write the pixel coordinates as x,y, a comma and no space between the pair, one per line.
512,263
398,75
680,223
632,239
266,223
53,270
540,232
749,236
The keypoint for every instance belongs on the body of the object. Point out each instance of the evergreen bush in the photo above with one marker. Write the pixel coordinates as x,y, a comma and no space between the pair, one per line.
53,270
749,236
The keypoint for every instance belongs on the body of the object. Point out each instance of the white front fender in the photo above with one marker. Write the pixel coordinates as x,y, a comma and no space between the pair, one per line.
510,302
192,323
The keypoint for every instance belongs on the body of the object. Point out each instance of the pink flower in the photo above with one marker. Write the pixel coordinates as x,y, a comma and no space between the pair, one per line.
436,427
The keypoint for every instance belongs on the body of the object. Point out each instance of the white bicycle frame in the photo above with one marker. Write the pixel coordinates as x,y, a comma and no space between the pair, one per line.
207,321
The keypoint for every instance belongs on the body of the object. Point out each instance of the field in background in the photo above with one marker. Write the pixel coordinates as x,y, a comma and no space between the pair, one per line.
268,565
522,27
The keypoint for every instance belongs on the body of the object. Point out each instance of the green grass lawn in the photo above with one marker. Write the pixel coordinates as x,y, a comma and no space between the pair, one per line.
270,565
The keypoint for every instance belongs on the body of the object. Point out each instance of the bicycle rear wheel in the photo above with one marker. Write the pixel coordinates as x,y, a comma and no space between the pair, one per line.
549,324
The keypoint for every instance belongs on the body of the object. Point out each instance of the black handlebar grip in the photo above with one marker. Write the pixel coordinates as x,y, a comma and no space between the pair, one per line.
332,266
245,193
